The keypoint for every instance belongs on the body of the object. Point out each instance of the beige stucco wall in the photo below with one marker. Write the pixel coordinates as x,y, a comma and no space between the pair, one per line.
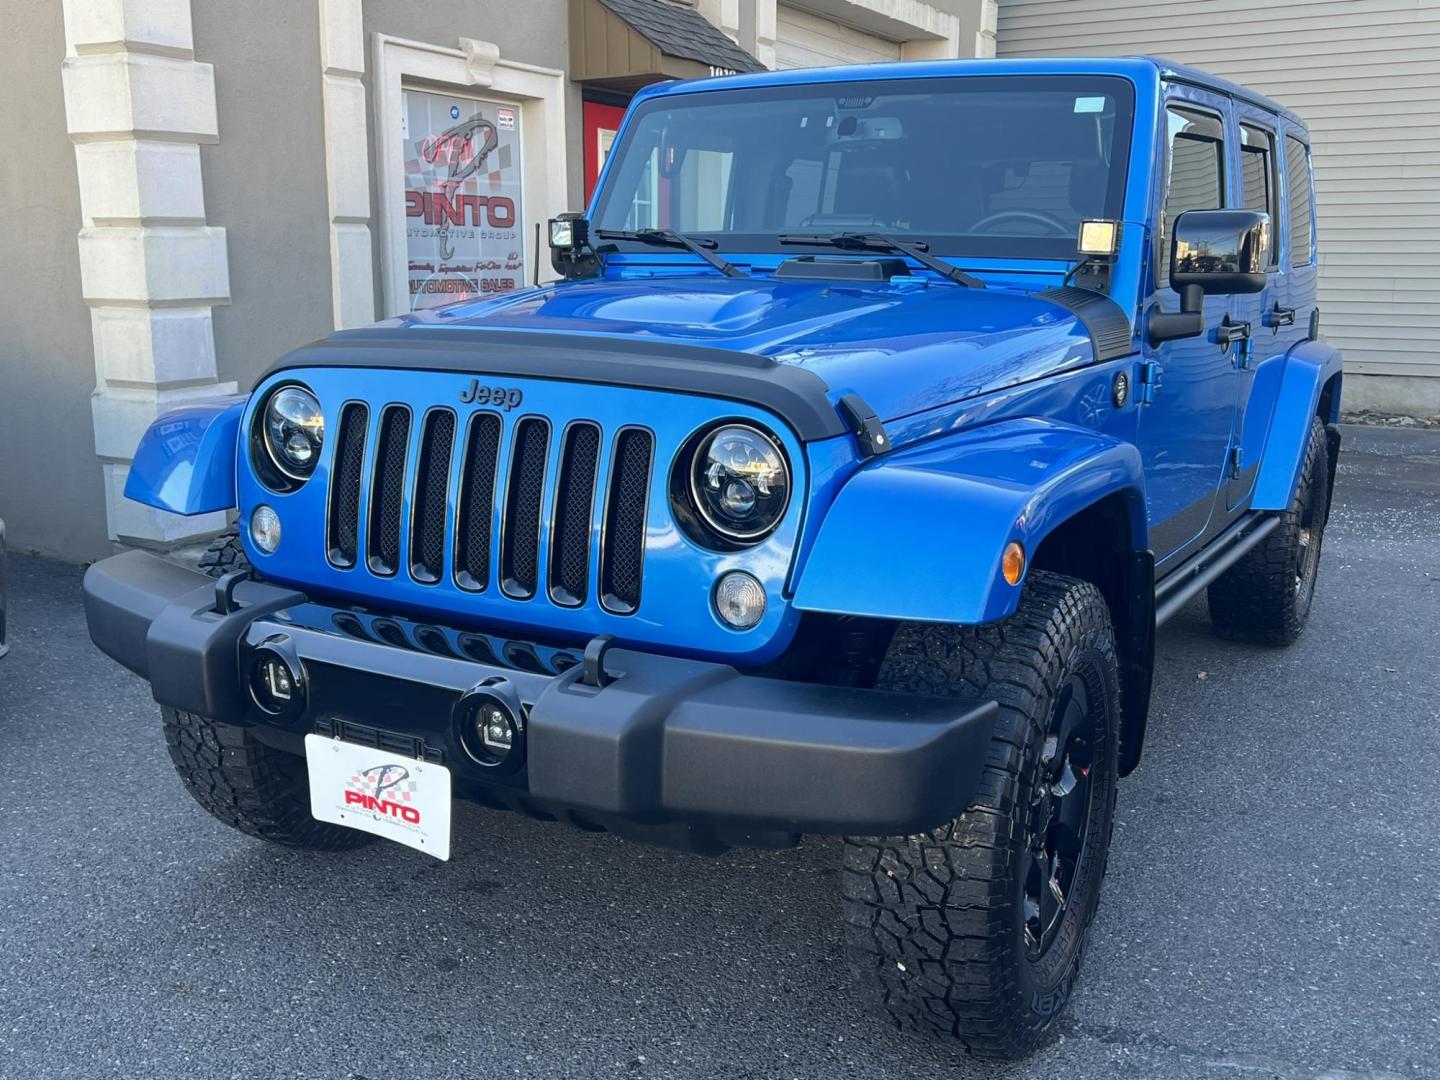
265,179
51,493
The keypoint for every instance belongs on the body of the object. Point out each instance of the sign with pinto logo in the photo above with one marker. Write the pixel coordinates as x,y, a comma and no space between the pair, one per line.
375,791
463,223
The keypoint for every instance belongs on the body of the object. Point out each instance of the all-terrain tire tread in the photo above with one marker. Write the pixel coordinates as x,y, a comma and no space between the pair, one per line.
250,786
223,556
930,919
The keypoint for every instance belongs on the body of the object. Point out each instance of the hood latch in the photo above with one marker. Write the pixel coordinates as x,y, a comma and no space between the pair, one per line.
869,431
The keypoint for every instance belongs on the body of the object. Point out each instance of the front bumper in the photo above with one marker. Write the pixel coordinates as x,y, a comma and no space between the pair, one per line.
679,751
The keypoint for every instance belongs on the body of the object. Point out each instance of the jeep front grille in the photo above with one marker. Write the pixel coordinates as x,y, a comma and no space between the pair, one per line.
514,503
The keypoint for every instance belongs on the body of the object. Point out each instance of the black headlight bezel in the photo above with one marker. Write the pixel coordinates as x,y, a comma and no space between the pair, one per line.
264,459
683,503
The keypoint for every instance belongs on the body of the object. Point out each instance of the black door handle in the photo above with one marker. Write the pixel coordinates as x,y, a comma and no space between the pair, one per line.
1280,316
1228,332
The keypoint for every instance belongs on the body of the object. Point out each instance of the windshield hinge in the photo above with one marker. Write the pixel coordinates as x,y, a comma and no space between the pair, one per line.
869,431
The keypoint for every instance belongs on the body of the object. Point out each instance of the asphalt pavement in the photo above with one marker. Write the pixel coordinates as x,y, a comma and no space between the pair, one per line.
1272,910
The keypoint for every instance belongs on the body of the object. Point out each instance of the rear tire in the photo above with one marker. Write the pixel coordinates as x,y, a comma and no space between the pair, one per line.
956,931
1266,596
248,785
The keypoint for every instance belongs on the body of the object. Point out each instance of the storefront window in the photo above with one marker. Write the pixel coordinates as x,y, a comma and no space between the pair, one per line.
463,215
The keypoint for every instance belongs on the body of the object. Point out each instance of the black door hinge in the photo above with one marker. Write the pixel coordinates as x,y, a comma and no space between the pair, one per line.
1237,462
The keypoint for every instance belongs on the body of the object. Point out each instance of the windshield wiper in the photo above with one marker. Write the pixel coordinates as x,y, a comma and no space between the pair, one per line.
916,249
670,238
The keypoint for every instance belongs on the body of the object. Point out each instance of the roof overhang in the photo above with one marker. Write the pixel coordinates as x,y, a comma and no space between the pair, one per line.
622,45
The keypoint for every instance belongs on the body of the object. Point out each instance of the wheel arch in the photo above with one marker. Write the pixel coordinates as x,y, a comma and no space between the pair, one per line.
1073,497
1310,386
1096,545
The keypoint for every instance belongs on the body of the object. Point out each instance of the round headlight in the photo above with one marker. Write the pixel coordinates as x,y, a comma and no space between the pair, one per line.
740,483
294,431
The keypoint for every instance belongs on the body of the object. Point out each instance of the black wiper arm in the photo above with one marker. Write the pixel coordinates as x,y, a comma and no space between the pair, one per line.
916,249
670,238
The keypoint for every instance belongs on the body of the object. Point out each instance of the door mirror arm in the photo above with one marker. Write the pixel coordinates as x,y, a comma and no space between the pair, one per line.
1188,322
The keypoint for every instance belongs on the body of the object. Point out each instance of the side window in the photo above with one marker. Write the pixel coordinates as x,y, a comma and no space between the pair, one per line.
1257,165
1302,224
1195,171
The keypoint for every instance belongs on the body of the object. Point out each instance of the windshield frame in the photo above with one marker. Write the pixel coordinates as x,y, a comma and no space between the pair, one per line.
951,245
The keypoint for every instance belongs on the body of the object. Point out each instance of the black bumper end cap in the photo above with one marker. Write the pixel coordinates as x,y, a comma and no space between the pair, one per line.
159,619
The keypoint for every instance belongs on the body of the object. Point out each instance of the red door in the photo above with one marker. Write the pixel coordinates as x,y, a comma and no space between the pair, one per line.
601,123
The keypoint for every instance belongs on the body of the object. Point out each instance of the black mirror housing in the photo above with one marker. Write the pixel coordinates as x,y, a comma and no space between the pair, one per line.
1221,252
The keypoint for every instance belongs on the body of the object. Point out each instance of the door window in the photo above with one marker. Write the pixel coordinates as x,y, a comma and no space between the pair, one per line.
1195,172
1257,167
1302,224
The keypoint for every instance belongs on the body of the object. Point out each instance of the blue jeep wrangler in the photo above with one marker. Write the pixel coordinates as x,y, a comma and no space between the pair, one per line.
882,415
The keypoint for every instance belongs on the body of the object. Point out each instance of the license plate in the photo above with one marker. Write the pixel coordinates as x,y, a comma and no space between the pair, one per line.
378,792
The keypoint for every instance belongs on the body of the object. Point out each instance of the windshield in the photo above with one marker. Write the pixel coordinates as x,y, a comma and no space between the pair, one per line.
984,166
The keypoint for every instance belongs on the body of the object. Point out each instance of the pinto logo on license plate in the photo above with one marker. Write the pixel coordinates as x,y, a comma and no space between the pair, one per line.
399,798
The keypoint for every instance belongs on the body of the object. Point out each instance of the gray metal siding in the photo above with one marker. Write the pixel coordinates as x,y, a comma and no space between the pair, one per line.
1366,79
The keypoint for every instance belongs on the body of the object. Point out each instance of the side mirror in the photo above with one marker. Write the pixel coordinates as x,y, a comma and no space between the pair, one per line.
1212,253
570,251
1222,251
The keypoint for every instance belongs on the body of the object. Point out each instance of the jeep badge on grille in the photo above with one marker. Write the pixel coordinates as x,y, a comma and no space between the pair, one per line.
506,397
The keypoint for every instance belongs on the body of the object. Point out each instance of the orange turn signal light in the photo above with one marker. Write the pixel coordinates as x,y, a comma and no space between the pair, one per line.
1012,562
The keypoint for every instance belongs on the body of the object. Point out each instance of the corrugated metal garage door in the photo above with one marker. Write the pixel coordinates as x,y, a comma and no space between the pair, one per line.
806,40
1366,78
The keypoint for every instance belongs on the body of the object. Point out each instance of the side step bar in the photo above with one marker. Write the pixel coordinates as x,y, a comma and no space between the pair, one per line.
1179,587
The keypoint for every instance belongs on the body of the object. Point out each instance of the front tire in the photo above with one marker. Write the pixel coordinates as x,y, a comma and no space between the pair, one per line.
250,786
1266,596
223,556
974,930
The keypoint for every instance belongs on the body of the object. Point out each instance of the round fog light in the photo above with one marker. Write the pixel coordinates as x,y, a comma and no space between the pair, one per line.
265,529
491,732
739,600
277,684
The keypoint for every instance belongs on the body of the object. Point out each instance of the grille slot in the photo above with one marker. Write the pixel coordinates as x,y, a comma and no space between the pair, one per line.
520,538
432,493
387,491
477,503
574,506
622,555
343,540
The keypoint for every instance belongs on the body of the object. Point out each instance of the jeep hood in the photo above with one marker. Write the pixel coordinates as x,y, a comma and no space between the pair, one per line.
904,346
